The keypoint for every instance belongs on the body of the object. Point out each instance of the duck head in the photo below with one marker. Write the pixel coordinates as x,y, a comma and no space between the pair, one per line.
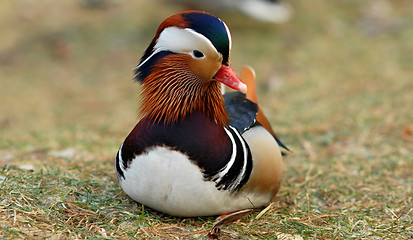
182,69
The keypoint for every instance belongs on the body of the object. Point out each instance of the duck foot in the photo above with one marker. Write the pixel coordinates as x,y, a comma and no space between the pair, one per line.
225,220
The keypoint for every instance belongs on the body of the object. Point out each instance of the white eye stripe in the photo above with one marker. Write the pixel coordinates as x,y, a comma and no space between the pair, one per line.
184,40
181,40
142,63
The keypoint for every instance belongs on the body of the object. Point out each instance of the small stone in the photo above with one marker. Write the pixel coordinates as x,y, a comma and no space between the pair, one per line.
66,153
28,167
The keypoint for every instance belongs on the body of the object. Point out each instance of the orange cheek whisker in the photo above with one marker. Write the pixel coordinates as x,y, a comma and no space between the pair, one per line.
172,91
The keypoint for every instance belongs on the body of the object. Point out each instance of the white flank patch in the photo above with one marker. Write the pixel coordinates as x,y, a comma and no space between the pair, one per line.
166,180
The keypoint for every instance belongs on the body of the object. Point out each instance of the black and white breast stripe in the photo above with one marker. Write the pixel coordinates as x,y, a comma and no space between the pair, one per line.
231,177
221,153
237,171
119,171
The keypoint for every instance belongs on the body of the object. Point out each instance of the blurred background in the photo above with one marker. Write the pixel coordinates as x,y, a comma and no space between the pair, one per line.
334,77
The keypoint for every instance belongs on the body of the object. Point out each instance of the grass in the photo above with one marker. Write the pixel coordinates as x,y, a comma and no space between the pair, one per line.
336,83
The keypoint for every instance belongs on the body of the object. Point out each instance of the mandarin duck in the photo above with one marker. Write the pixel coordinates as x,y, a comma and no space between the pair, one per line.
197,151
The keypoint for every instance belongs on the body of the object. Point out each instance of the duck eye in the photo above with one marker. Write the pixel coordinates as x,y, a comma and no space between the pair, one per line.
198,54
